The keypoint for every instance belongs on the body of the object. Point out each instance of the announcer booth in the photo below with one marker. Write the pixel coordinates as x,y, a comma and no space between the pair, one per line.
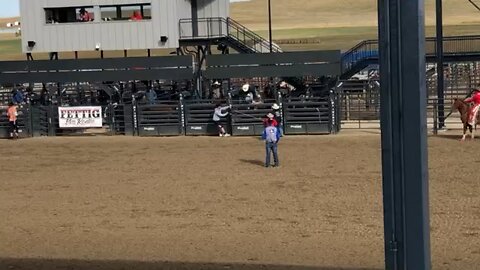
106,25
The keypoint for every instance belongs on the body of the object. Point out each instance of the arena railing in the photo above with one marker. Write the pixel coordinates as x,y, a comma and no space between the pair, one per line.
247,119
310,116
23,122
199,117
218,27
468,45
160,119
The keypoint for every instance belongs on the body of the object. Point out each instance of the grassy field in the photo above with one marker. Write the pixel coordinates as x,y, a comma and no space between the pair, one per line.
314,25
288,14
341,38
10,48
344,38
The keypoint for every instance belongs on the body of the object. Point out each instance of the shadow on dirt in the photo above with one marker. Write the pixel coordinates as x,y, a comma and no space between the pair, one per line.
49,264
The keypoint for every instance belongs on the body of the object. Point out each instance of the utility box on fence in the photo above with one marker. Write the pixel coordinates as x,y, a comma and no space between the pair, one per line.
163,119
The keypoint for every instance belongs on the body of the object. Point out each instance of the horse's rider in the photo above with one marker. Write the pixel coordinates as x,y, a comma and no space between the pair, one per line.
475,99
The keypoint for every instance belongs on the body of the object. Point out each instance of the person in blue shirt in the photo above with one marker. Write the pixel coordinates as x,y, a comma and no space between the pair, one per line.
151,96
17,96
271,135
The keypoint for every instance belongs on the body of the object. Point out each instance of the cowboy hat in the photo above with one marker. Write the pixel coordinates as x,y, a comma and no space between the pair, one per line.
275,106
270,115
245,87
216,83
283,84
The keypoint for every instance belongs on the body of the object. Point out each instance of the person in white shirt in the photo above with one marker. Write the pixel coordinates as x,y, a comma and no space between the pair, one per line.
217,117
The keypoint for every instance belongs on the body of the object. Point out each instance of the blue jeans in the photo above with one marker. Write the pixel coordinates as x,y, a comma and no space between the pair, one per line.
271,147
280,127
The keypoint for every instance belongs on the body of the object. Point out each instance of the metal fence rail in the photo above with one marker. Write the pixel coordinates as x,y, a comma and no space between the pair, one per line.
454,48
184,117
160,119
41,119
23,122
120,119
247,118
308,117
199,118
226,28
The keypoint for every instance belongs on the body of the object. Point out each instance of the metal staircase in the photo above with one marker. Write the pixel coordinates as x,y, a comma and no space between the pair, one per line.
224,31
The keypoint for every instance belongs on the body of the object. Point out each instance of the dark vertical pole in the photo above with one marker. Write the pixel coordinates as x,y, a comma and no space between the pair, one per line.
194,18
270,26
404,134
119,12
440,73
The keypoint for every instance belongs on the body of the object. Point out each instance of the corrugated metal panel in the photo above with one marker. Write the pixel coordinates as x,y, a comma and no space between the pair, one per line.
79,3
215,8
212,9
117,35
184,9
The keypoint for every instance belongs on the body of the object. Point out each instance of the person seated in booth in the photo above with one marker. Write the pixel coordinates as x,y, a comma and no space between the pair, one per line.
84,16
136,16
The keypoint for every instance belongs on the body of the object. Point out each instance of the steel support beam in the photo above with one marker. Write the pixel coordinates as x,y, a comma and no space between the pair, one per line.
404,134
270,41
440,60
194,4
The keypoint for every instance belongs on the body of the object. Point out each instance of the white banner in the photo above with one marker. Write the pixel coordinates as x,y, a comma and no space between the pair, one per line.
80,117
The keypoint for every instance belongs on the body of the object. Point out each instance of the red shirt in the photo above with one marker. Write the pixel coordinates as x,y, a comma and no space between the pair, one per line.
136,16
85,17
273,121
475,98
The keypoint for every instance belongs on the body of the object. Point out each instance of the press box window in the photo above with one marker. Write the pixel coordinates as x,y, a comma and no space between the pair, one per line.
126,12
68,14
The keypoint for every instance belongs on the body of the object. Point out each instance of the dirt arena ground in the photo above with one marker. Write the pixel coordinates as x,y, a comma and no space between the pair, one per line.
207,203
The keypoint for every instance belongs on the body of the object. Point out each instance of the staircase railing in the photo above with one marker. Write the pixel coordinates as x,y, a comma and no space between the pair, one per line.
453,45
254,41
365,50
211,28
